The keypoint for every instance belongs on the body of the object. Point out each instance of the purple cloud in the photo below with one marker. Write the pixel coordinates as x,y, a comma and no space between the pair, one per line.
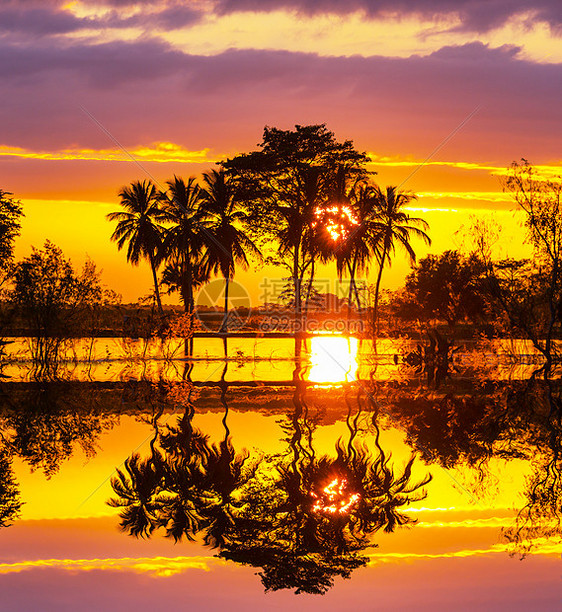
30,18
40,21
145,91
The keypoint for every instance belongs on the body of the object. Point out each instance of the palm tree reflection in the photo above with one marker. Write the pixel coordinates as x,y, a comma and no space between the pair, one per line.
301,518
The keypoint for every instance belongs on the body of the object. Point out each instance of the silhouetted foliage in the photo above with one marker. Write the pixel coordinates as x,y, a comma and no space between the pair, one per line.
466,428
528,294
57,303
397,229
10,502
448,287
185,238
277,514
11,213
228,244
287,181
139,227
47,422
539,521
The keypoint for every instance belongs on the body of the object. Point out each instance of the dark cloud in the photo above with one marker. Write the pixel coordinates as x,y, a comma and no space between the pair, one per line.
107,65
476,15
30,18
40,21
172,17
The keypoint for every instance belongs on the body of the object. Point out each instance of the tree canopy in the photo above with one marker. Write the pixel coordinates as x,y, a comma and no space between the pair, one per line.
293,175
449,287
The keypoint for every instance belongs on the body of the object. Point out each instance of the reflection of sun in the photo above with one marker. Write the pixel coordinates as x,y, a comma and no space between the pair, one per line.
332,359
334,498
337,220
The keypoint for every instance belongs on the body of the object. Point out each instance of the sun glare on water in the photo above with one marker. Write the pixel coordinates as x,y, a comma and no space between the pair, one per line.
333,359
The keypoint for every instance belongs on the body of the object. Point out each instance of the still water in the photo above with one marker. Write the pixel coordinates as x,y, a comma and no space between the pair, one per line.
260,480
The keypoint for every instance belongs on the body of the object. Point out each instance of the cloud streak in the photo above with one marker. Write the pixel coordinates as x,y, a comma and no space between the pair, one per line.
55,18
163,567
156,566
161,152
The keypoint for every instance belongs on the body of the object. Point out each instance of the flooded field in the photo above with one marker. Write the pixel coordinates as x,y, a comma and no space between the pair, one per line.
237,480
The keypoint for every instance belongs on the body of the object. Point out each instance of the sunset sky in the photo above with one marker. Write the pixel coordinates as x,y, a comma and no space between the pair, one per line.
89,85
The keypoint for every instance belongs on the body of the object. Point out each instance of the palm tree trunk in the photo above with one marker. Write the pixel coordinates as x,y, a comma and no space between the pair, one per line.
355,290
359,307
357,298
191,315
188,303
352,287
187,282
297,289
224,326
309,289
156,289
376,305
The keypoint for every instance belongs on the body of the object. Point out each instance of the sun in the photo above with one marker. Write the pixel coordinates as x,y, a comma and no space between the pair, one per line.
337,220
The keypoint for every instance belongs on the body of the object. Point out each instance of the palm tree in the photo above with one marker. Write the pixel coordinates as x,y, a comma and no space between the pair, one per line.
227,243
361,234
397,227
184,239
362,243
139,226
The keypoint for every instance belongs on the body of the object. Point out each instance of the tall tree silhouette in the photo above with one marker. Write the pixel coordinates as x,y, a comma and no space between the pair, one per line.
362,238
228,244
527,294
139,226
286,181
185,238
397,229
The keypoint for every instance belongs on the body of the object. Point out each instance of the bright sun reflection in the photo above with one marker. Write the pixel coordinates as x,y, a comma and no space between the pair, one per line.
333,359
334,498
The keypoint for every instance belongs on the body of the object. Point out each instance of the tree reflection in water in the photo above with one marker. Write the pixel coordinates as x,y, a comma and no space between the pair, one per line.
539,520
278,512
281,513
10,502
44,423
467,428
